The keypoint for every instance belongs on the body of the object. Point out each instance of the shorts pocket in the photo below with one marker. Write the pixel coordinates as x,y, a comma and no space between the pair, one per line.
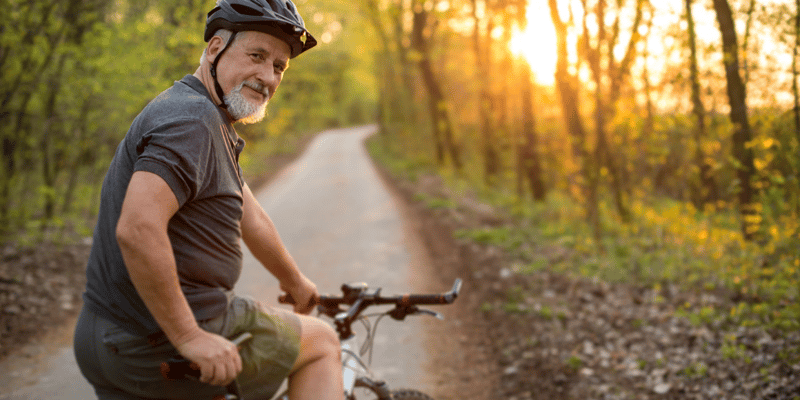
121,342
132,362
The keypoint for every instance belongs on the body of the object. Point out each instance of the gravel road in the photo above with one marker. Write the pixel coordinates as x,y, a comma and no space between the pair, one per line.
340,224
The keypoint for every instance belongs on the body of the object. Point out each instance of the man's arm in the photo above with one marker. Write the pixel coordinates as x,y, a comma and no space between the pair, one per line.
142,236
261,237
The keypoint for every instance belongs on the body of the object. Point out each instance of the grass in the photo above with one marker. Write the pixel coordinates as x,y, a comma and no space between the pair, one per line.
668,242
695,370
665,242
574,362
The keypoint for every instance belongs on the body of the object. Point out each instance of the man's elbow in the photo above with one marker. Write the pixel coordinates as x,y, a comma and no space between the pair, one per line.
133,231
124,234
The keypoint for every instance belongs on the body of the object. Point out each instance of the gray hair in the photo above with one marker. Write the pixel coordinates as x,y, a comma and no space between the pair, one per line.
224,34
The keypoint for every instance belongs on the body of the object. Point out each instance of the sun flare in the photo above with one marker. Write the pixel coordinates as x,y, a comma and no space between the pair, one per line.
537,44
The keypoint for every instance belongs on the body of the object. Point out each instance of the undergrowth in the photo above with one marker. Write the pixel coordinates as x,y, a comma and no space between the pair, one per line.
665,242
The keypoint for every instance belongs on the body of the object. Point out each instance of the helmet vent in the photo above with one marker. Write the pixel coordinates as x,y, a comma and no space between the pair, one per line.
245,10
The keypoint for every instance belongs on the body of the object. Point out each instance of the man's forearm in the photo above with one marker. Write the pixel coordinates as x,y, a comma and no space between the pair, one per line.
151,266
267,247
261,237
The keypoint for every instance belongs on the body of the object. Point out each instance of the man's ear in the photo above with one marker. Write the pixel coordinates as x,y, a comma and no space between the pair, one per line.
215,45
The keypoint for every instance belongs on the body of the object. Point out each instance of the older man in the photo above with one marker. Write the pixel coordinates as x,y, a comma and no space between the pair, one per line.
166,250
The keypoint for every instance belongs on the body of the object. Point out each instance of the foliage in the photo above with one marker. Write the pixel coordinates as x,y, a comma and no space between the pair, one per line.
649,229
76,73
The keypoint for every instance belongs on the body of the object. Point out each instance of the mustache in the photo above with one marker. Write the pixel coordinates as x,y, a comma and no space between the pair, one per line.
257,87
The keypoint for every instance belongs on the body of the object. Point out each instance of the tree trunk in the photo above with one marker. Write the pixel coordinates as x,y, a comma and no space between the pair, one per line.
568,90
13,132
437,106
604,103
796,71
746,42
48,137
483,70
742,154
397,11
388,96
704,189
530,165
795,89
77,161
9,152
649,120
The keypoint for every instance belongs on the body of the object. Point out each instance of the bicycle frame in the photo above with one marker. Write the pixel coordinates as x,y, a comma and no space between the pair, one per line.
356,373
352,366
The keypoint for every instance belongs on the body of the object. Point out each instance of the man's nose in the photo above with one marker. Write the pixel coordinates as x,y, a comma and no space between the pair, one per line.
266,78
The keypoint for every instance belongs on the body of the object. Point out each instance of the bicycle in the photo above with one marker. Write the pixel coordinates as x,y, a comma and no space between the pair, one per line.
356,298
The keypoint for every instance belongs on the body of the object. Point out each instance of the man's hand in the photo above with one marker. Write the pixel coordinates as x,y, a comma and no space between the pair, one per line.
217,357
304,292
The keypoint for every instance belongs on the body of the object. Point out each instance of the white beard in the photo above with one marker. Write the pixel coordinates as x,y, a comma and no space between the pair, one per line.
241,109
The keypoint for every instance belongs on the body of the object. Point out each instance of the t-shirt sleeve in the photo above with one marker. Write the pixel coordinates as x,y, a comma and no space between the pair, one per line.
179,153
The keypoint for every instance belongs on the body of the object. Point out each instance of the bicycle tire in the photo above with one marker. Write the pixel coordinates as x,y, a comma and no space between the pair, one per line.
409,394
400,394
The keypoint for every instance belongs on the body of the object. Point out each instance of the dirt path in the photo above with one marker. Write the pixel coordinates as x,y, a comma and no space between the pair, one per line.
459,364
47,294
510,335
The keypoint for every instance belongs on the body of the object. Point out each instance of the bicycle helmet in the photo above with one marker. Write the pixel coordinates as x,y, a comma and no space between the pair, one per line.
278,18
275,17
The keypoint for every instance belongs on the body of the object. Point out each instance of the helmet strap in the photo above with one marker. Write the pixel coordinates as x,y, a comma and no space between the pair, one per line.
217,87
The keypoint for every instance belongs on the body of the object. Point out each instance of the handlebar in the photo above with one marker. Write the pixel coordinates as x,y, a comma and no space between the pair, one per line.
352,292
358,297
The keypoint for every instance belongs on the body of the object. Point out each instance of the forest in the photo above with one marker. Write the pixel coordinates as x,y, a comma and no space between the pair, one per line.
652,138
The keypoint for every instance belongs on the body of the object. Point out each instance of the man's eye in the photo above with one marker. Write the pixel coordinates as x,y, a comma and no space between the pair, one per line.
257,57
280,68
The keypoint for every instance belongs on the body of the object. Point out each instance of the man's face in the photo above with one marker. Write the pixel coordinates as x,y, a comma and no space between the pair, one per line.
250,72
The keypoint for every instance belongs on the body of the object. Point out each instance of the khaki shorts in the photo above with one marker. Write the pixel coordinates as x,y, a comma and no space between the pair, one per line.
121,365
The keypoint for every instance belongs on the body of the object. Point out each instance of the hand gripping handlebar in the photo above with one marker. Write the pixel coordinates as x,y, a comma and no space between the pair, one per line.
352,292
358,298
181,368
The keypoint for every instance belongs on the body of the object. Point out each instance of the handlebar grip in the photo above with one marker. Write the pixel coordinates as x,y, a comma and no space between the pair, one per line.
179,367
444,298
425,299
286,298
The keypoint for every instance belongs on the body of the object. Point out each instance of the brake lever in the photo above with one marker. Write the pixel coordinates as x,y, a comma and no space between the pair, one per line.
430,312
400,313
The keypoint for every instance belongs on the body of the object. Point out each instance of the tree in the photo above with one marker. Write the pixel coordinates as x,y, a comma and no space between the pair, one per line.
483,63
704,188
609,75
442,126
76,72
530,166
567,85
742,153
796,71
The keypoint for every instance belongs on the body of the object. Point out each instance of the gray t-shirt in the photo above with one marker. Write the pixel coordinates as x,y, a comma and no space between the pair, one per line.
184,138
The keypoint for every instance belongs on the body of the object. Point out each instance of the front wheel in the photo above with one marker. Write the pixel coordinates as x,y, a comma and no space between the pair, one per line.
400,394
409,394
